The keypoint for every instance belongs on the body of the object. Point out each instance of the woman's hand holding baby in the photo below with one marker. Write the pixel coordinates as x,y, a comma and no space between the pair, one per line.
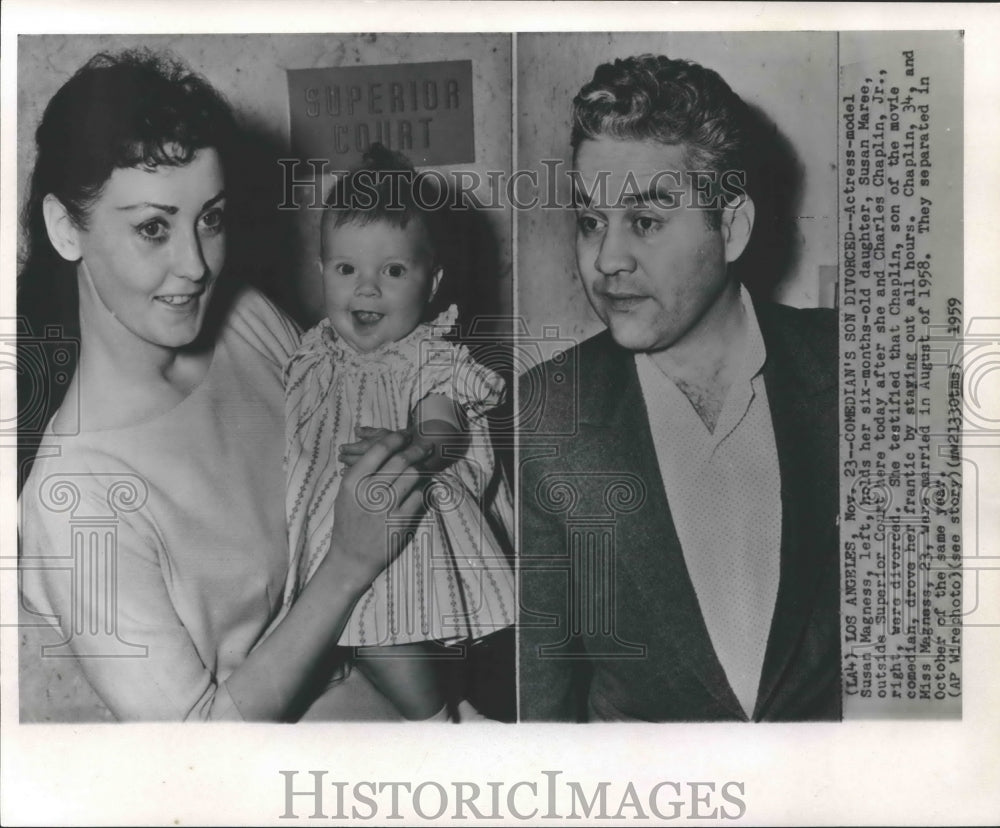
442,440
350,453
382,478
382,481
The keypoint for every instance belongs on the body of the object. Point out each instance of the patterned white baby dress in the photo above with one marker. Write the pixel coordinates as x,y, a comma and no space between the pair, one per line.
452,580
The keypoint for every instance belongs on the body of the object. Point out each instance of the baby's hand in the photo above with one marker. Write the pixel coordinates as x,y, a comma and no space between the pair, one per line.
350,453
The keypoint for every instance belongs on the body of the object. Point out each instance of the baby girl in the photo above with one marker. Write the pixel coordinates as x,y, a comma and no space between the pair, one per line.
375,364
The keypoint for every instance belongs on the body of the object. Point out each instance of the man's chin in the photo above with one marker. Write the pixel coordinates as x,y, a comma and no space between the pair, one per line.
632,339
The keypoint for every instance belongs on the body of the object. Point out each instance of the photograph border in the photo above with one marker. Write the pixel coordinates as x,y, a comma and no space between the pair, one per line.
871,772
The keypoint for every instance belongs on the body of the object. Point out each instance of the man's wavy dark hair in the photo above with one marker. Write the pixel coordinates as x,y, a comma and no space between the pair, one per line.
673,102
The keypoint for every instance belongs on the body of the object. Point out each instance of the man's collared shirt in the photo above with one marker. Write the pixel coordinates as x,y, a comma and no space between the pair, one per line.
724,493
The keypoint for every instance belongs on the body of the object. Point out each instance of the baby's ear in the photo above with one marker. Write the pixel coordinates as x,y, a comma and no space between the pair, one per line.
319,265
436,281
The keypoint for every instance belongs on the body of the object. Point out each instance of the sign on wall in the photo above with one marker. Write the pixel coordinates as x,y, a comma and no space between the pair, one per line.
423,110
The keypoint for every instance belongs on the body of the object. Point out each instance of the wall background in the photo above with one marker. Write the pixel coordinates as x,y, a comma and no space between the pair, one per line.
279,249
790,77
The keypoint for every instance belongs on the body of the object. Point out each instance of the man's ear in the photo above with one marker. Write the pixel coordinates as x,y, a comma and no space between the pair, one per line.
435,281
737,225
62,230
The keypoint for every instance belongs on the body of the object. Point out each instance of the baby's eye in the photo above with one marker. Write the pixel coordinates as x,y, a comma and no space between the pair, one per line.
154,230
213,220
344,269
395,270
587,225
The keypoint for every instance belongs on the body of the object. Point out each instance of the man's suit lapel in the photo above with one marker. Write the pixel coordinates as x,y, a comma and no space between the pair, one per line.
651,569
801,394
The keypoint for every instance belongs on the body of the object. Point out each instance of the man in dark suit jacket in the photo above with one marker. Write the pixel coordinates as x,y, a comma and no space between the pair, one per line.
721,600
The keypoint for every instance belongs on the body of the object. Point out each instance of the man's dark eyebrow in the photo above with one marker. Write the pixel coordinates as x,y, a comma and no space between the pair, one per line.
659,195
169,209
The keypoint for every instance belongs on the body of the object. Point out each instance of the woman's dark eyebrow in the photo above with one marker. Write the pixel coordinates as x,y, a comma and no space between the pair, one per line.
214,199
170,209
166,208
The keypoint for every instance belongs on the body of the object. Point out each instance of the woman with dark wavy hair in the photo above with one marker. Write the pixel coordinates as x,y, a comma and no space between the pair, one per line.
158,481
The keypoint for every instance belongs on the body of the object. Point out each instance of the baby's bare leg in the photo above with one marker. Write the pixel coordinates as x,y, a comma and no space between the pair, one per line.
406,675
